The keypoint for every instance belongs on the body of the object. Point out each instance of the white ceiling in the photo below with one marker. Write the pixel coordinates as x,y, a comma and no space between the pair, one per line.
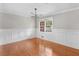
27,9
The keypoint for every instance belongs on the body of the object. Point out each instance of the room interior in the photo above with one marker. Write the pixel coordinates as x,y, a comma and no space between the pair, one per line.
24,30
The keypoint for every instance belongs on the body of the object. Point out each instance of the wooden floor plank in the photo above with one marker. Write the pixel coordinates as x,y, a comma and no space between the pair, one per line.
37,47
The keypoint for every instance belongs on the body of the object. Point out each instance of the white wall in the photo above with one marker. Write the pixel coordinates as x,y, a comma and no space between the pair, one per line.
65,29
68,20
10,21
15,28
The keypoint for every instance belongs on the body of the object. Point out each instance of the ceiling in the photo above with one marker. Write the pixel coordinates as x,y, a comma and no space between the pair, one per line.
43,9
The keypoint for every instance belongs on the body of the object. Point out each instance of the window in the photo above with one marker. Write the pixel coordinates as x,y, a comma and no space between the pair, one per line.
42,25
48,26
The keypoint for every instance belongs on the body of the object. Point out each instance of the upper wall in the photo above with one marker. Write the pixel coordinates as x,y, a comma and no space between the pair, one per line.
68,20
10,21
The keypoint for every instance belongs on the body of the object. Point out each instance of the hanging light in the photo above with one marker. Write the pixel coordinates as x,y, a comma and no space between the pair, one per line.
35,21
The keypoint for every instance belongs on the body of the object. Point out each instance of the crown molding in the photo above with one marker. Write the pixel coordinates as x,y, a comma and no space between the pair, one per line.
65,11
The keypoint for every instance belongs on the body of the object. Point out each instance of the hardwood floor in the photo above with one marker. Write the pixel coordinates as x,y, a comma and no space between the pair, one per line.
37,47
59,49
